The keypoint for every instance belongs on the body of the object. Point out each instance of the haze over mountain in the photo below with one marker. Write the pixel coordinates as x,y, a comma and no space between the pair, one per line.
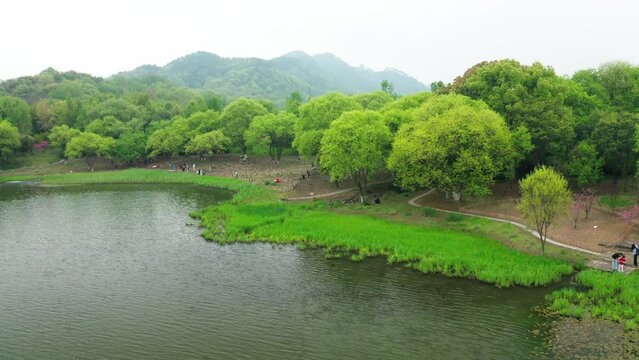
276,78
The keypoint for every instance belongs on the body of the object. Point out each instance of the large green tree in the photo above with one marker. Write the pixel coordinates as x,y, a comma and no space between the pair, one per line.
355,146
614,139
129,148
90,146
586,166
108,126
208,144
237,117
17,112
9,139
60,135
315,118
272,132
168,140
531,96
544,196
458,151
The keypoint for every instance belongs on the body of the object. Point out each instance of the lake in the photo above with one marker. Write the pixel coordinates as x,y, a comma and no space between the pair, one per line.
120,272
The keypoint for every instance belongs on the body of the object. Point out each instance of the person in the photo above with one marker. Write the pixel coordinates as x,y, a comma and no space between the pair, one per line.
277,180
236,175
622,262
377,200
635,253
615,262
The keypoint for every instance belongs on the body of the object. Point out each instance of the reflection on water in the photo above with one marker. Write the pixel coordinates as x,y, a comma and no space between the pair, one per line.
116,272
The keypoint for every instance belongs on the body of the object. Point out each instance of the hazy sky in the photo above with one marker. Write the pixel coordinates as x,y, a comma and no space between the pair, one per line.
430,40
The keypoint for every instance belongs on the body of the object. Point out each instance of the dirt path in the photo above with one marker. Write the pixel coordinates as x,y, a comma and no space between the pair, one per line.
534,232
319,196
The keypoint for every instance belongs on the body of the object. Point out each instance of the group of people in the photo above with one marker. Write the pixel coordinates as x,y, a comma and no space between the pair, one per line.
619,259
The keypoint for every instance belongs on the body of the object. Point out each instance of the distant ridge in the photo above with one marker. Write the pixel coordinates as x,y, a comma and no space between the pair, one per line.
276,78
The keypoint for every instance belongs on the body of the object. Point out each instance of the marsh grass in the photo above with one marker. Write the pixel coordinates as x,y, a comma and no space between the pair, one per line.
427,249
610,296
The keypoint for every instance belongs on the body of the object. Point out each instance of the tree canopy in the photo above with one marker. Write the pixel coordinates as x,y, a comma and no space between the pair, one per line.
271,132
90,146
9,139
355,146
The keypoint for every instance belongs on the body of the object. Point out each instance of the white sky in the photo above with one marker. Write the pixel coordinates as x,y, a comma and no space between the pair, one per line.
430,40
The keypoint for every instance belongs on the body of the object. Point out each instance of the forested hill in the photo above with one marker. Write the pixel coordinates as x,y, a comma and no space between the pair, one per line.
276,78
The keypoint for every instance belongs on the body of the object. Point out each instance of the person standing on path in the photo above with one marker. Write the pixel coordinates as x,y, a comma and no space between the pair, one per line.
615,262
622,262
635,253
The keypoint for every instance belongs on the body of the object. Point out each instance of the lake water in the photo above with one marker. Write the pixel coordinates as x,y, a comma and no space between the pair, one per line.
120,272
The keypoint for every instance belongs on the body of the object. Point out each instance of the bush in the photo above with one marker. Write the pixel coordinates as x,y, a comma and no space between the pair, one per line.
614,202
452,217
429,212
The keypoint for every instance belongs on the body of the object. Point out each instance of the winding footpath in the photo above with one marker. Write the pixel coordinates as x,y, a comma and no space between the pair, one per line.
413,202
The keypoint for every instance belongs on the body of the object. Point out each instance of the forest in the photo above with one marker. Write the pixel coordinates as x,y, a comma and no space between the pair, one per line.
497,121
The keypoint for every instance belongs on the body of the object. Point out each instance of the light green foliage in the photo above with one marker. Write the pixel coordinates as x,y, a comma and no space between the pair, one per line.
544,196
208,144
621,81
169,140
60,135
17,112
374,101
408,102
119,108
460,150
90,146
272,132
395,118
614,138
522,142
425,248
316,116
205,121
129,147
9,139
355,146
293,103
108,126
437,105
237,117
586,165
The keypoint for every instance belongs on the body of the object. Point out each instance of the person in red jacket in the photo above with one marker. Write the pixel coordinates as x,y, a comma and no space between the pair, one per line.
622,262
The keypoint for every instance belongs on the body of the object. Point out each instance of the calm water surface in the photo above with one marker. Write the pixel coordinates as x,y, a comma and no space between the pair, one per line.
116,272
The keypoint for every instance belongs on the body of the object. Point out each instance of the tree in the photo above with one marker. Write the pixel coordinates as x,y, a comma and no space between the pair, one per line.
355,146
544,196
437,86
293,103
272,132
108,126
373,101
44,114
168,141
237,117
129,148
17,112
531,96
9,139
586,165
575,211
388,88
614,138
315,118
90,146
460,150
208,144
60,135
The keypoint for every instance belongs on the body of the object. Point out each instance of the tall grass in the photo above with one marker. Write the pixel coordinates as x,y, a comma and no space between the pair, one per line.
427,249
245,191
611,296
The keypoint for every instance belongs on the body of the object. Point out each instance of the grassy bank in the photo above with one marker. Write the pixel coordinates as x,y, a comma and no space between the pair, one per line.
611,296
244,191
427,249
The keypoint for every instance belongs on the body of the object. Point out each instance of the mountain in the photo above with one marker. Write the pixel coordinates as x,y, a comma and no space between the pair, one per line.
276,78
